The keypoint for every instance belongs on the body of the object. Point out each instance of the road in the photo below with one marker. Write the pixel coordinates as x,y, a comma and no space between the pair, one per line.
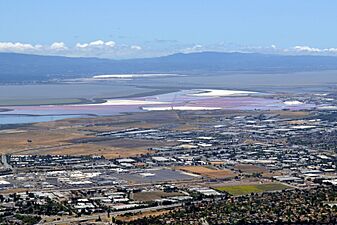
5,163
93,217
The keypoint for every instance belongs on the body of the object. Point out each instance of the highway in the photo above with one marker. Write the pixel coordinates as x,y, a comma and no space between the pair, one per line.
95,216
5,163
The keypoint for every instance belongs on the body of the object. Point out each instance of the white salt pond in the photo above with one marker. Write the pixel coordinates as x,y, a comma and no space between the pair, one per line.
129,76
221,93
164,108
293,103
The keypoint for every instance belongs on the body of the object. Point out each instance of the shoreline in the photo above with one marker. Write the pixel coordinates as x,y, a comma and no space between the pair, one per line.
100,100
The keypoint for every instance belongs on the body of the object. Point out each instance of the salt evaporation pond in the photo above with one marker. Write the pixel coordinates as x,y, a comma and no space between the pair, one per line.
181,100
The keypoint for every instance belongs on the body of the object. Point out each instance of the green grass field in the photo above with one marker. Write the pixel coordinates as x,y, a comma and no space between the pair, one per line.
247,189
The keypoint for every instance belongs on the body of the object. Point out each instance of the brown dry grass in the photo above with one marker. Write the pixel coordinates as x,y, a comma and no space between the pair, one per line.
105,128
217,163
291,114
274,141
208,172
297,122
250,169
57,137
11,143
131,143
187,127
14,190
91,149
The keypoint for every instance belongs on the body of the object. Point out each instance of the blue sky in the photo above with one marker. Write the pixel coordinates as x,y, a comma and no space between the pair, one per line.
143,28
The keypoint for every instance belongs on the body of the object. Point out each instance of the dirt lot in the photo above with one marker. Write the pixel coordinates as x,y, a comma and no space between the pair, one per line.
131,143
59,137
90,149
249,168
291,114
206,171
32,139
154,195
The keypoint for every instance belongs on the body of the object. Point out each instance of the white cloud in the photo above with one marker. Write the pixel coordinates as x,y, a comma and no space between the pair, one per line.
136,47
110,49
107,49
194,48
96,44
309,49
58,46
30,48
301,48
79,45
110,44
331,50
17,47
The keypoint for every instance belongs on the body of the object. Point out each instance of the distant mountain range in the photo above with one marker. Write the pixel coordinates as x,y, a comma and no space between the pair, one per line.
28,68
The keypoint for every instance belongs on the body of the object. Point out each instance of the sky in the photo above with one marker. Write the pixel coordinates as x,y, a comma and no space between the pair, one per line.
148,28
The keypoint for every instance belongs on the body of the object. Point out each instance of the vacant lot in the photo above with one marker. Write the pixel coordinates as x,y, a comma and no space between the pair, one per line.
61,137
130,143
256,188
90,149
35,139
206,171
154,195
291,114
249,168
